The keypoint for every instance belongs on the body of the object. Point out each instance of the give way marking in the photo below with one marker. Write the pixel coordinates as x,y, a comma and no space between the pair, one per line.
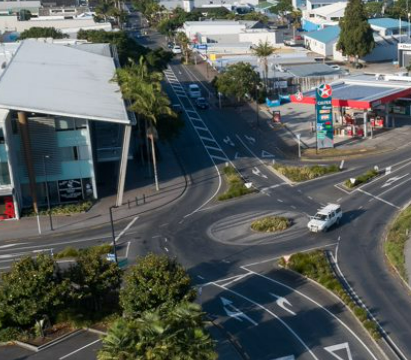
333,348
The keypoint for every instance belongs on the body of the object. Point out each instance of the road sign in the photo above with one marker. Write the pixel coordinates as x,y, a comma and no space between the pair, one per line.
324,116
111,257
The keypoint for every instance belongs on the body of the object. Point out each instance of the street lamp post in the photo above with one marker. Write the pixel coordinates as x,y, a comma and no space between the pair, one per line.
257,106
47,190
112,232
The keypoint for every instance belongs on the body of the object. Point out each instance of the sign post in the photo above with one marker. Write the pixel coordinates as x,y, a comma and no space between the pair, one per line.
324,117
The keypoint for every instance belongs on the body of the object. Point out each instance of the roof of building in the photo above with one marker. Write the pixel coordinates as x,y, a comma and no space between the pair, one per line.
316,2
336,9
325,35
388,23
311,70
62,80
248,23
361,92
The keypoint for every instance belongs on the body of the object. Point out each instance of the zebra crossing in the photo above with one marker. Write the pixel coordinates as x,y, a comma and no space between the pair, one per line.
214,151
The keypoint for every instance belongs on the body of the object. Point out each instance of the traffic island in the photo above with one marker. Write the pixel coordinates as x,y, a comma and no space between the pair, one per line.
236,185
337,154
271,224
352,183
316,266
297,174
394,246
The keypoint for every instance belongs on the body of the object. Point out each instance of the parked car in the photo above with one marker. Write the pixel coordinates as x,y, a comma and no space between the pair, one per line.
325,218
194,91
201,103
176,49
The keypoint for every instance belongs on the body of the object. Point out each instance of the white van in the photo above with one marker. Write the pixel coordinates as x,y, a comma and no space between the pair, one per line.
194,91
325,218
176,49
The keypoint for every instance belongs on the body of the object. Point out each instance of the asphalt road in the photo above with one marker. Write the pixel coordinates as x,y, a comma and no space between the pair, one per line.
192,230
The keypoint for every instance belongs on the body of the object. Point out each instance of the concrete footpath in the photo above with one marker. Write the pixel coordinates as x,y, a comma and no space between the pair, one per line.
140,197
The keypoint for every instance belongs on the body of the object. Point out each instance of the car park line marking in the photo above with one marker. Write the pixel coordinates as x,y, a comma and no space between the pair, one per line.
378,198
82,348
273,315
126,228
320,306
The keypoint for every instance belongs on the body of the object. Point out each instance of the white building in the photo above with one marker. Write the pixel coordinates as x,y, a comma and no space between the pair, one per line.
322,42
321,17
172,4
230,31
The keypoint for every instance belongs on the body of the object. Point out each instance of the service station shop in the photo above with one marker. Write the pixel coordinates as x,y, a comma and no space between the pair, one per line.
361,104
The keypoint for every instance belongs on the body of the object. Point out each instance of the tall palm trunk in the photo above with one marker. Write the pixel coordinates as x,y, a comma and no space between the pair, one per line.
153,152
148,148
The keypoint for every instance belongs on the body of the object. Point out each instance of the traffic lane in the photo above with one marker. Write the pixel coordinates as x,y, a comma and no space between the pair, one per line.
261,334
317,322
363,264
14,352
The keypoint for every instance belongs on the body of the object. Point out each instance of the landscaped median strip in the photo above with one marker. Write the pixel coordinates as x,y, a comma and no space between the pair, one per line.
315,266
304,173
236,185
394,246
361,179
271,224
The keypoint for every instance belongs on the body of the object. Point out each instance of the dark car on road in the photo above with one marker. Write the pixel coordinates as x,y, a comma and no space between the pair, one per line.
177,108
201,103
170,45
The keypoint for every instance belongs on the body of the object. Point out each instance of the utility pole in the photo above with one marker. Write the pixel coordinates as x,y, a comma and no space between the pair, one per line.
112,232
47,190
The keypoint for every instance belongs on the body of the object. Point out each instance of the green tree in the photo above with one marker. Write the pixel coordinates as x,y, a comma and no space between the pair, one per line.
95,279
374,9
356,36
168,333
282,7
397,9
155,280
263,51
184,42
42,32
33,288
239,80
254,16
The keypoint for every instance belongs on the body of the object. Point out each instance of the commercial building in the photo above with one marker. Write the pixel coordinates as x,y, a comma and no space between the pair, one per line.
56,103
322,17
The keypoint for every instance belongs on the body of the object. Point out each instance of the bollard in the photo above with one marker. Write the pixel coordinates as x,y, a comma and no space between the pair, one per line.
128,203
144,198
136,201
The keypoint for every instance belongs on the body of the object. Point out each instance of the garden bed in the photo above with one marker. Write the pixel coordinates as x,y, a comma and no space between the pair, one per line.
271,224
304,173
361,179
394,246
71,252
236,185
315,266
68,209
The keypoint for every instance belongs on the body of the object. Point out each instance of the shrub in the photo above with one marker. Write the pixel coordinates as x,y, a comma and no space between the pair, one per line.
303,173
9,334
271,224
68,209
70,252
361,179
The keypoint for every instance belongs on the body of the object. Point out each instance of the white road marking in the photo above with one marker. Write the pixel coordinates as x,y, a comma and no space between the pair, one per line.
282,302
155,236
378,198
279,200
217,158
272,187
266,154
339,199
213,148
319,305
208,139
273,315
293,207
235,313
310,197
126,228
250,139
166,249
11,245
200,277
392,180
76,351
128,249
257,172
332,348
251,152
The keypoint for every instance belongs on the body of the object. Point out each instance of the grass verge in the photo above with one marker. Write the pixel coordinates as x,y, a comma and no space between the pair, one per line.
362,179
304,173
315,266
394,246
271,224
236,184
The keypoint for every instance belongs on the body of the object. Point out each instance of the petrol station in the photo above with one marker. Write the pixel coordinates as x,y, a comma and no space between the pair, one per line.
358,106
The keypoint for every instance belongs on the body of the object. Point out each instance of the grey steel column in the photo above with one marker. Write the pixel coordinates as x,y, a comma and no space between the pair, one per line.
123,165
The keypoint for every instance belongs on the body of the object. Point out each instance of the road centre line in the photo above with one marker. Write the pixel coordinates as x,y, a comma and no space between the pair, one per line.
273,315
76,351
126,228
378,198
319,305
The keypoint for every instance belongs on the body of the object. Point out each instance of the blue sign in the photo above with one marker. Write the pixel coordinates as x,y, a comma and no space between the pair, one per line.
111,257
201,46
324,116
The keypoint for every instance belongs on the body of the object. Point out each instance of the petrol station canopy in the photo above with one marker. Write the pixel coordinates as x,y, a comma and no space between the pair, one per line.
362,91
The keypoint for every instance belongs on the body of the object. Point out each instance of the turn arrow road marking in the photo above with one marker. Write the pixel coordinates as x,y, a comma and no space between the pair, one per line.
266,154
282,302
235,313
257,172
393,180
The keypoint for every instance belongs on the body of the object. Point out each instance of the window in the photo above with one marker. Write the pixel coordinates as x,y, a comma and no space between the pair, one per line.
4,173
1,136
66,124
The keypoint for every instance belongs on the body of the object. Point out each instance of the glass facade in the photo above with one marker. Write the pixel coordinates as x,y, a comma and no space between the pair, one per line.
4,166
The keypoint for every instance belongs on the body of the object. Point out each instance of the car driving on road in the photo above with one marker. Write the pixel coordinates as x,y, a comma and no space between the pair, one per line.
194,91
176,49
325,218
201,103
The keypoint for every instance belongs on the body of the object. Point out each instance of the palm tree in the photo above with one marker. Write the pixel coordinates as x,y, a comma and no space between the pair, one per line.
263,51
183,41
